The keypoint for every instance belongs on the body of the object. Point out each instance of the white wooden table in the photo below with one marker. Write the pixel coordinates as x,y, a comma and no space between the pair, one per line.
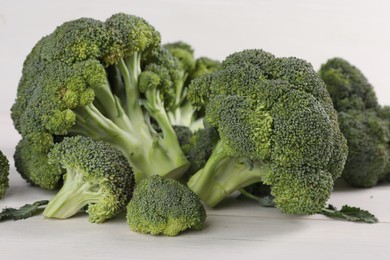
236,229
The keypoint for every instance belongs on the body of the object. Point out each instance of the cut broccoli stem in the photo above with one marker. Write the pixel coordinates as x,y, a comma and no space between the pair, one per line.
223,175
75,194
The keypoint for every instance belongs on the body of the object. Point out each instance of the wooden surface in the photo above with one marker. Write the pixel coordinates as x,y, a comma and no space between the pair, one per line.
236,229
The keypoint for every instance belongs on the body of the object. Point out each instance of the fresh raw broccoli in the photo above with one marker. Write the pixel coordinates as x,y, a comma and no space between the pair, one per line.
199,148
110,81
262,194
164,206
4,172
347,86
182,112
276,124
97,176
366,132
384,114
367,137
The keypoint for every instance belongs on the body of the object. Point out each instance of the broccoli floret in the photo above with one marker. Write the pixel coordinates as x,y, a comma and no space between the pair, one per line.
367,137
347,86
109,81
4,172
97,176
366,132
182,112
276,124
199,148
384,113
32,164
164,206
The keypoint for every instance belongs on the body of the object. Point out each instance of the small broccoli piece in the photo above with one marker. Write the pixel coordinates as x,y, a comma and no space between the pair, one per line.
97,176
366,132
164,206
4,172
110,81
276,124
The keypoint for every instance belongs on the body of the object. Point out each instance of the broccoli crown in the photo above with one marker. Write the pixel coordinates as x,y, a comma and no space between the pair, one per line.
277,113
368,156
105,80
347,86
359,116
164,206
384,114
4,172
33,166
97,176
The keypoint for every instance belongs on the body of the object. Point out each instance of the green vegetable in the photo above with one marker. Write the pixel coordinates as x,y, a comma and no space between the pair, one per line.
182,112
262,194
276,124
110,81
4,172
97,176
350,214
23,212
360,122
164,206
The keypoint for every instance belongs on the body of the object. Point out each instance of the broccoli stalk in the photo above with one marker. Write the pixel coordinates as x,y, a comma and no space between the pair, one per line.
222,175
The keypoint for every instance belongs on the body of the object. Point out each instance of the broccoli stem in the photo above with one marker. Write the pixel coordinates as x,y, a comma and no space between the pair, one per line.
75,194
223,175
128,129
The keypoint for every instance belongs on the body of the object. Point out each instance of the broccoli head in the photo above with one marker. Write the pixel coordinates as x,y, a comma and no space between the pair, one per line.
347,86
360,122
110,81
4,172
368,156
164,206
97,176
276,124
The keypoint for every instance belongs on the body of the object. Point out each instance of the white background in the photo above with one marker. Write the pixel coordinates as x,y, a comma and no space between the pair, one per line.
310,29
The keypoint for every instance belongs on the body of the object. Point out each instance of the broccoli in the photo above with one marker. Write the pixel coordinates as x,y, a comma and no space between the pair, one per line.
261,193
276,124
384,114
97,176
347,86
182,112
164,206
358,114
110,81
4,171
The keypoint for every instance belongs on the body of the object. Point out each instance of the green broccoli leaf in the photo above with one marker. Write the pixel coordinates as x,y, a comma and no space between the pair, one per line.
349,213
24,212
